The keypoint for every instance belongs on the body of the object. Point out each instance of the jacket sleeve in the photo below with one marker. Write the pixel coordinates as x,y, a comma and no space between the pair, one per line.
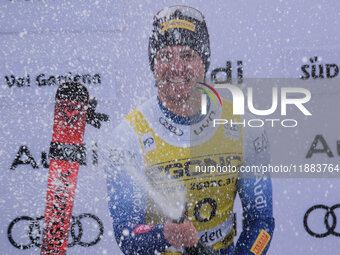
255,191
127,204
127,198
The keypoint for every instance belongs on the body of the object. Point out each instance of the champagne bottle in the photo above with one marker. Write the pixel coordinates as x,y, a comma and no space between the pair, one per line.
200,248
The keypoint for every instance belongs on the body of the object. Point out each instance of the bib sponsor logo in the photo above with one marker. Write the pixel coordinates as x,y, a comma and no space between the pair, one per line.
186,168
206,123
148,142
175,130
212,236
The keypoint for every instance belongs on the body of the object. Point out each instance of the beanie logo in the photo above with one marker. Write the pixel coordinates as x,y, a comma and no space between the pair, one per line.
178,23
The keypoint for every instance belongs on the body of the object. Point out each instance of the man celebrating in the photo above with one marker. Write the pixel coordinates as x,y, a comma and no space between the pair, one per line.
162,147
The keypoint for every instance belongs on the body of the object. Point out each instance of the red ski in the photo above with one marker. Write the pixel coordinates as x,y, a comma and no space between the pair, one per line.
66,153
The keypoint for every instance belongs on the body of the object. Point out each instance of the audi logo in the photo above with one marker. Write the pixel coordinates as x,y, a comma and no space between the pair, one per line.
330,227
35,231
170,127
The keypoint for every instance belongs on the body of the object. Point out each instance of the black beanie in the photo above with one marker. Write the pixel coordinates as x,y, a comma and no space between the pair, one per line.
180,25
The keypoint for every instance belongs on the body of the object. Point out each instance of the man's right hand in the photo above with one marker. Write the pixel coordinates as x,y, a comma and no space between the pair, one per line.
180,235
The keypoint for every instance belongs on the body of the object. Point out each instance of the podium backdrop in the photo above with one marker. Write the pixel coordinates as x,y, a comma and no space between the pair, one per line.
104,44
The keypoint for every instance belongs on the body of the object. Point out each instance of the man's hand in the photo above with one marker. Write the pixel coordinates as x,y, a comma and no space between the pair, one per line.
180,235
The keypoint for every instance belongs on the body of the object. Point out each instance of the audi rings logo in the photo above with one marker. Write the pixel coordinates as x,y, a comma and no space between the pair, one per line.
170,127
76,231
329,224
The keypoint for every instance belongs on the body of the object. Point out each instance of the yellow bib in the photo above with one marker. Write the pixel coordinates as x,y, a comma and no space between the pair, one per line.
210,196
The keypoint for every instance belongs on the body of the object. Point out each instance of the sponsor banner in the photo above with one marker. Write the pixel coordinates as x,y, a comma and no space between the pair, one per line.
320,63
31,69
34,80
292,200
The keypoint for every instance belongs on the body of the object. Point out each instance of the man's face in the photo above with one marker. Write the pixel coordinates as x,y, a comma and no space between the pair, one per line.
176,71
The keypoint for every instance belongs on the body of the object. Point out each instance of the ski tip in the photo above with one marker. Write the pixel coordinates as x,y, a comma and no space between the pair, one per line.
74,91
